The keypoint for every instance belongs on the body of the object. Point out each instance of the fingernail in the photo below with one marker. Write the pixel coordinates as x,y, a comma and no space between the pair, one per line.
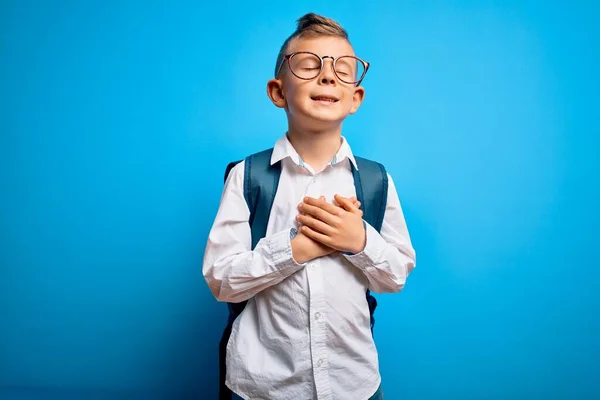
300,205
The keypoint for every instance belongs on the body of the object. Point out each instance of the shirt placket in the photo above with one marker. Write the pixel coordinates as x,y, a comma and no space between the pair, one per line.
318,334
317,323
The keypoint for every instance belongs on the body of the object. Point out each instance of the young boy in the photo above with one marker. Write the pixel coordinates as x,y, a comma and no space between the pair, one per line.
305,330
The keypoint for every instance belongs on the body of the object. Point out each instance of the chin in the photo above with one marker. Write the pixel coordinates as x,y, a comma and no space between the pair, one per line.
327,115
318,118
329,119
318,123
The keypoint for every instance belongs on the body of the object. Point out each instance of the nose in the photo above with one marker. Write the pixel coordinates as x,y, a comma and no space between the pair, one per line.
327,75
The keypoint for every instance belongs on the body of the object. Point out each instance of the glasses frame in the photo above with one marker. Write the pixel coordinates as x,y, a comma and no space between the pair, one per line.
288,57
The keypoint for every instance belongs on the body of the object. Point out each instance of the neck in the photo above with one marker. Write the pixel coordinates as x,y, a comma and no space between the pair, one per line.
316,148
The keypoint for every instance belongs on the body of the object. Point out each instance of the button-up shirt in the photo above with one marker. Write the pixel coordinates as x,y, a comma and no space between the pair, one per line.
305,331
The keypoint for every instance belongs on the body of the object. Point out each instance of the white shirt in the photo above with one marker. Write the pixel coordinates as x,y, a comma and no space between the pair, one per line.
305,332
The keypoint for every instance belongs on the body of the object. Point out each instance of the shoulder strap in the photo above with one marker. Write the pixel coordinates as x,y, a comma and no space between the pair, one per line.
371,183
261,180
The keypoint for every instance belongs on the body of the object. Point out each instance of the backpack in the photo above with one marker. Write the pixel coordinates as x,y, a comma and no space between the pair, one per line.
261,180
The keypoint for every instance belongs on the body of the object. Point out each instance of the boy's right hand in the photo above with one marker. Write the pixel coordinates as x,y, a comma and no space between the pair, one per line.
305,249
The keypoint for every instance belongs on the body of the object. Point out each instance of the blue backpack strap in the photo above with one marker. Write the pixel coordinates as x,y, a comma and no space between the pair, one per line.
261,180
371,184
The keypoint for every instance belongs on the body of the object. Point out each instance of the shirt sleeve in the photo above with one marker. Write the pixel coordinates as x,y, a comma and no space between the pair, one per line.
388,257
232,270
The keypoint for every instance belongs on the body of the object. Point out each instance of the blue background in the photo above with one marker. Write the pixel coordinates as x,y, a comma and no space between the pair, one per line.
117,120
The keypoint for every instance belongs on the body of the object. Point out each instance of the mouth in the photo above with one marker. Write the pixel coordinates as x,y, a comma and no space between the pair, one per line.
325,98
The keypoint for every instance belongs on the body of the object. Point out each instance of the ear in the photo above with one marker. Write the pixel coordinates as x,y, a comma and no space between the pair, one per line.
357,98
275,92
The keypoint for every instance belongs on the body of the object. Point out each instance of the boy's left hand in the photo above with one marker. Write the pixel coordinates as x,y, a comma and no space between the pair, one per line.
341,228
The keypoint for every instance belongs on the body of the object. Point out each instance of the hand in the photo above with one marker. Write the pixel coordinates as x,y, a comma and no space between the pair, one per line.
305,249
340,228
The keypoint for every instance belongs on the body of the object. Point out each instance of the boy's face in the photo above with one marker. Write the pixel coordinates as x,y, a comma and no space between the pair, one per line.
304,100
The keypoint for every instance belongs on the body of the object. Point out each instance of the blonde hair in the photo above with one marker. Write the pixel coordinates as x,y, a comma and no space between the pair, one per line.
312,25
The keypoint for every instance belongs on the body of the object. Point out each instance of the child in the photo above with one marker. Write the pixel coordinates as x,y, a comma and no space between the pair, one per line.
305,330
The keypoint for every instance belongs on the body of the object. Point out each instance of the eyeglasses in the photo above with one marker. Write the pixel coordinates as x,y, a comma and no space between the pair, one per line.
306,65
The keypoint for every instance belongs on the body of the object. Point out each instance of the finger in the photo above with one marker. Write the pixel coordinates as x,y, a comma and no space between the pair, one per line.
353,200
317,212
346,203
315,224
322,204
319,237
353,208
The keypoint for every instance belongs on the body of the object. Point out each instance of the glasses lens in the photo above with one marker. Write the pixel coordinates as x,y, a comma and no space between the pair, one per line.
305,65
349,69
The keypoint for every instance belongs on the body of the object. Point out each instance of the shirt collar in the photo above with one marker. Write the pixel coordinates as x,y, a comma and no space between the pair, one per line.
284,149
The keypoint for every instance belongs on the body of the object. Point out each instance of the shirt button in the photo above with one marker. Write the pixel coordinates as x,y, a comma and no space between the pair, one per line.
318,315
319,363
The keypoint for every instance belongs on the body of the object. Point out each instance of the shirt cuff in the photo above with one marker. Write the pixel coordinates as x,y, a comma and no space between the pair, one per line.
372,252
280,248
349,253
293,233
